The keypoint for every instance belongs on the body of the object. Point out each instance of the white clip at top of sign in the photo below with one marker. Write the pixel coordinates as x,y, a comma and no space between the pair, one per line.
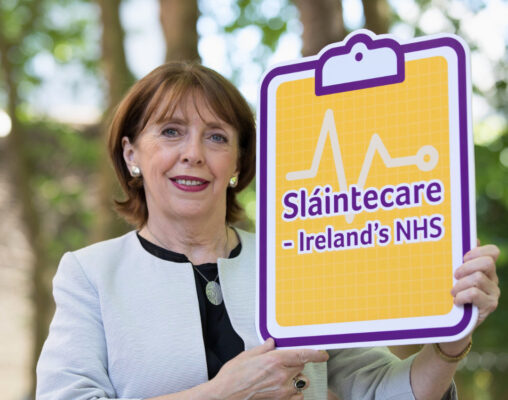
360,63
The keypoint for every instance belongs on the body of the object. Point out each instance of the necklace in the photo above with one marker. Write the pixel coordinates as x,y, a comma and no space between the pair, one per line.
212,289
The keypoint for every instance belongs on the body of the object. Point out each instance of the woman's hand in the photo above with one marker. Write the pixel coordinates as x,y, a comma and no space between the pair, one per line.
477,281
265,373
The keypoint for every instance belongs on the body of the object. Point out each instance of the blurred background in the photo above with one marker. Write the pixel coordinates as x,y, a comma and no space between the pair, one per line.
64,64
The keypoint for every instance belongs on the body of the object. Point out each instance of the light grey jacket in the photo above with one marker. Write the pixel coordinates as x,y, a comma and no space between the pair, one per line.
127,326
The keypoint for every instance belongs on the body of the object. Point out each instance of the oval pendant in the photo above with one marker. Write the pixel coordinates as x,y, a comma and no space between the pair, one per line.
213,293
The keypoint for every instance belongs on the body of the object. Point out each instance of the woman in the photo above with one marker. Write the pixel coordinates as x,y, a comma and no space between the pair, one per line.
167,312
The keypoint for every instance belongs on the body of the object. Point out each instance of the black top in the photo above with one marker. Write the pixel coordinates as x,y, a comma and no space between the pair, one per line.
222,343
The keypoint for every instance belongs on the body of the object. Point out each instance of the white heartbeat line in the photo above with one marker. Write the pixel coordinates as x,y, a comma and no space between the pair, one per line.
425,159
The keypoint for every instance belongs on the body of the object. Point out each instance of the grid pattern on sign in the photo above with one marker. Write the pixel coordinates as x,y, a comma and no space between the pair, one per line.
395,281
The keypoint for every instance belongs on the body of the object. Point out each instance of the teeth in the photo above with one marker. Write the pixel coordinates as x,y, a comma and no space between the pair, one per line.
188,182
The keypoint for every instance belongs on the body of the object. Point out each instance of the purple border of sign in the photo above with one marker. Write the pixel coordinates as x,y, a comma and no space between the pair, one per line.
262,224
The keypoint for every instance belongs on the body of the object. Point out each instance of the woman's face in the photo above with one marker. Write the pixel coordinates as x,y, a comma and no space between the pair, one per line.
186,162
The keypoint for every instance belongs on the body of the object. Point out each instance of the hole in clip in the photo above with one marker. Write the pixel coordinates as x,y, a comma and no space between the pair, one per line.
358,56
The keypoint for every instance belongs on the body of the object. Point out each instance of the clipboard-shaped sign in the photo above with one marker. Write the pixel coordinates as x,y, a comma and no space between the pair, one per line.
365,194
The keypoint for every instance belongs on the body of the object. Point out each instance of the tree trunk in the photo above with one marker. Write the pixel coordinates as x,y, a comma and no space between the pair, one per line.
377,15
119,79
114,62
41,271
322,24
178,19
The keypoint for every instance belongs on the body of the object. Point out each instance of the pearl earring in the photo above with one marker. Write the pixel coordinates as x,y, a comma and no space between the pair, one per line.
233,181
135,171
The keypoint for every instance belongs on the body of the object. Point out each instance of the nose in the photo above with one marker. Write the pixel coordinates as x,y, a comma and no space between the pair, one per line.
192,151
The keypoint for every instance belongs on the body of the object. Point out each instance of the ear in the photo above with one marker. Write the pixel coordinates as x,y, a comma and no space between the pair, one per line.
129,152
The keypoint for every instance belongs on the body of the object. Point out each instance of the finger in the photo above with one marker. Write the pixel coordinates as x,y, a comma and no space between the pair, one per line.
297,357
297,396
479,280
274,364
488,250
483,264
478,243
284,390
267,346
293,372
296,385
486,303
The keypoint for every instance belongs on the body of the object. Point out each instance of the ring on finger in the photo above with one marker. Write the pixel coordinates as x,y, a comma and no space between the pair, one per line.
299,384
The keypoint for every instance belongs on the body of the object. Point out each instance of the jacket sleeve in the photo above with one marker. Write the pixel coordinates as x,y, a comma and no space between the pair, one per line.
372,373
73,362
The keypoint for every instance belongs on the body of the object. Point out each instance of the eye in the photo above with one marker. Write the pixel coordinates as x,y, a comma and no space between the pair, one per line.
170,132
218,138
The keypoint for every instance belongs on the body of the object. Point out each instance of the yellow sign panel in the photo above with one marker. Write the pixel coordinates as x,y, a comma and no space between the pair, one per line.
364,205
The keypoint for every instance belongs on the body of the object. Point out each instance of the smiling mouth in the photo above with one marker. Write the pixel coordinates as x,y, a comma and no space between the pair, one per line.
189,184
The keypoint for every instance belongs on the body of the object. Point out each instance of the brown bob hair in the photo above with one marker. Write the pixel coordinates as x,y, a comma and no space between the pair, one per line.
167,85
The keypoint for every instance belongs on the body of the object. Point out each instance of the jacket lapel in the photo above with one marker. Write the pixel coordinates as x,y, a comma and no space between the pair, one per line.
238,282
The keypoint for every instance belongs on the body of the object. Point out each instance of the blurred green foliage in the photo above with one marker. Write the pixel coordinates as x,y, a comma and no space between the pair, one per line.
62,158
64,163
272,27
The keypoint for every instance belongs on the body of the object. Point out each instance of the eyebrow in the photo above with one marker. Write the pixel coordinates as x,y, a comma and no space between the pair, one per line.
214,124
180,121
